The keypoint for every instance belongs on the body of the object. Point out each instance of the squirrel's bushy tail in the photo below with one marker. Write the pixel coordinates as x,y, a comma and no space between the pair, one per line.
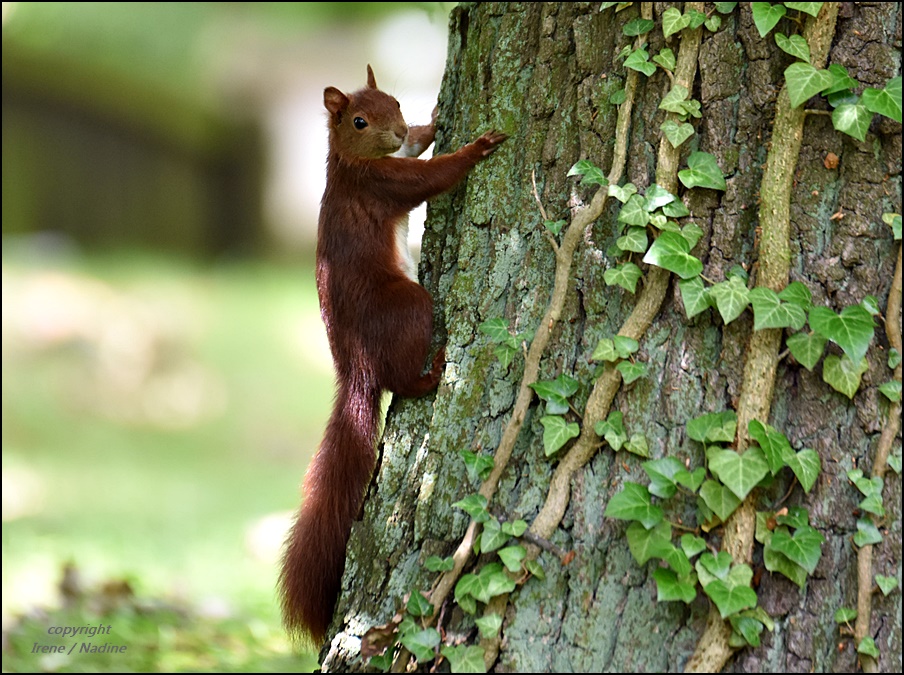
314,557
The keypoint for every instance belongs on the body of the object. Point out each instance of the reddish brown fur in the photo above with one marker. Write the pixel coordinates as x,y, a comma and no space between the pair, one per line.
378,322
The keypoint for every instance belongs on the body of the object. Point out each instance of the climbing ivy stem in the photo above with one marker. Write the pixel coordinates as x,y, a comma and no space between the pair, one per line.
886,441
758,383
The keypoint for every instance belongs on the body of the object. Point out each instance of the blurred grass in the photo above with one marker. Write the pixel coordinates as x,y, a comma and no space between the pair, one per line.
158,416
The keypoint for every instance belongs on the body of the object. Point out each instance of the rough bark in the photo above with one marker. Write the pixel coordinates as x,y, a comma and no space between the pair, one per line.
543,73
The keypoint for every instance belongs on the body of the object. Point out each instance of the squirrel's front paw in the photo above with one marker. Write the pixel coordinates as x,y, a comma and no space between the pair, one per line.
490,141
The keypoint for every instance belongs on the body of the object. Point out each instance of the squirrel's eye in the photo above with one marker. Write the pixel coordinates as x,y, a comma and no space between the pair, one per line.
359,123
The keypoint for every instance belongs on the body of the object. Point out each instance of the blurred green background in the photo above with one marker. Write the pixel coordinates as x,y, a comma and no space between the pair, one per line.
165,373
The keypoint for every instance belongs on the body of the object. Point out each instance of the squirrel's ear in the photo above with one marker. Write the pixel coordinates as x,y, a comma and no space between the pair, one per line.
371,80
335,101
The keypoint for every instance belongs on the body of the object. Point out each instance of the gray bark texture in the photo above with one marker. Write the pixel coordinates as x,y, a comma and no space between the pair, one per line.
543,73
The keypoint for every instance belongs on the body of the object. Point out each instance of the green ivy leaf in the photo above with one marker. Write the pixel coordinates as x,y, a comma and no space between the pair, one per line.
606,351
712,23
867,533
691,480
675,101
634,213
631,371
766,16
436,564
676,132
673,21
637,27
635,239
418,605
633,503
807,349
803,81
613,430
731,297
719,499
711,567
795,45
779,562
637,444
842,374
625,275
557,432
492,581
422,644
852,330
656,197
478,466
692,545
868,647
845,615
666,59
725,7
670,588
852,119
492,536
676,209
886,584
671,251
623,193
811,8
645,544
662,476
618,97
498,331
554,226
702,171
717,427
749,629
730,599
803,548
505,354
841,80
589,172
806,465
556,393
886,101
695,18
692,233
465,658
512,556
740,473
774,444
639,60
891,390
770,312
489,626
694,296
475,506
894,461
514,528
893,220
797,294
796,517
871,304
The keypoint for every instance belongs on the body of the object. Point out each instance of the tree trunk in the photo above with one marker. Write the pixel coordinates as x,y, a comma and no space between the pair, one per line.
544,74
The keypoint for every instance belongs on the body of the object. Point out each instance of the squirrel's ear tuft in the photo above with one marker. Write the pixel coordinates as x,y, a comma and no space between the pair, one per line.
335,101
371,80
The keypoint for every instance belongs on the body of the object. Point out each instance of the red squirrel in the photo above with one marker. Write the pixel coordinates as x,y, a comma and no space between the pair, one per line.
378,321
